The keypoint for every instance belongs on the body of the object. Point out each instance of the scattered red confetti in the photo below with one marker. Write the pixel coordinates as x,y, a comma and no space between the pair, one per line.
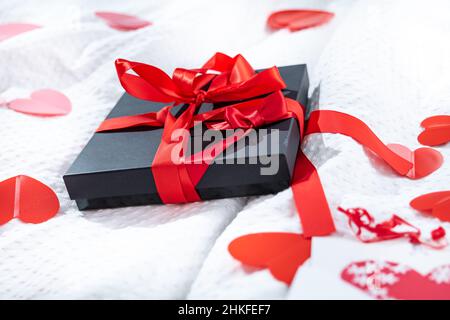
366,230
296,20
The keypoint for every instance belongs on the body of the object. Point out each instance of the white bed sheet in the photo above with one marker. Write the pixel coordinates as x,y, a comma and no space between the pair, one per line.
179,251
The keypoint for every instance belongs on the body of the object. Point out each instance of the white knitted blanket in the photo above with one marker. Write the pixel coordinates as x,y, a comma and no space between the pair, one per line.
389,68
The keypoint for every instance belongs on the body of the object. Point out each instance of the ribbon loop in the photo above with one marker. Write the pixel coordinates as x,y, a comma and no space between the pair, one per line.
222,79
150,83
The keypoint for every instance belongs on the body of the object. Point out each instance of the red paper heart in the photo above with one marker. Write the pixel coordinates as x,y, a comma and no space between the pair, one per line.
425,160
389,280
282,253
27,199
435,203
436,131
46,102
122,22
12,29
296,20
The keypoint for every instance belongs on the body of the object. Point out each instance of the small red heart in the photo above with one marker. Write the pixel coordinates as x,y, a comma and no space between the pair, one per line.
296,20
435,121
282,253
436,130
46,102
389,280
436,203
122,22
27,199
10,30
425,160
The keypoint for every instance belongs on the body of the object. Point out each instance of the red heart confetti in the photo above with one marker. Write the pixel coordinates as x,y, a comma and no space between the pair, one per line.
27,199
425,160
436,131
282,253
122,22
435,203
10,30
46,102
389,280
296,20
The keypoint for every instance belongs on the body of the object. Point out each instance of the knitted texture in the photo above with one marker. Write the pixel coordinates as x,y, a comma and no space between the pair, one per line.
390,74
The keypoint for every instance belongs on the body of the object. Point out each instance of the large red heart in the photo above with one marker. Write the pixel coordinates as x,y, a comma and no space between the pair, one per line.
27,199
46,102
296,20
436,130
436,203
425,160
122,22
282,253
389,280
12,29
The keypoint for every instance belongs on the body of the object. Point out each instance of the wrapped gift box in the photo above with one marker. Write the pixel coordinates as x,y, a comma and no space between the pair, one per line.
114,169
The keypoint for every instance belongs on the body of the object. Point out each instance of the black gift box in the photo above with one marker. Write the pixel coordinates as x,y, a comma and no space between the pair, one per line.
114,169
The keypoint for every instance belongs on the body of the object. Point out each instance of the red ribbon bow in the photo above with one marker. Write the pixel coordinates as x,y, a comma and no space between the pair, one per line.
227,80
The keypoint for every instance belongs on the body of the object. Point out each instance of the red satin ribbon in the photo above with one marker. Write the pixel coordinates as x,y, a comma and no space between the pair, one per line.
232,80
360,221
327,121
228,79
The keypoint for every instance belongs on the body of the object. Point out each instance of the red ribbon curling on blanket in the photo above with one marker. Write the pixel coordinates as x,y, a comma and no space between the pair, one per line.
255,99
361,221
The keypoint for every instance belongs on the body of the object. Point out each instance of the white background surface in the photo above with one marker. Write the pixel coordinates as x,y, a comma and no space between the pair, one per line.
374,61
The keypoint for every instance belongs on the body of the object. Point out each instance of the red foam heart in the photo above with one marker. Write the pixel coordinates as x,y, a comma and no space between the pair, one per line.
46,102
12,29
436,130
282,253
122,22
425,160
296,20
389,280
436,203
27,199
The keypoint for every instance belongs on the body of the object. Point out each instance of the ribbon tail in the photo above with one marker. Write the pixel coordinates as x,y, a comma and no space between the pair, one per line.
310,200
327,121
